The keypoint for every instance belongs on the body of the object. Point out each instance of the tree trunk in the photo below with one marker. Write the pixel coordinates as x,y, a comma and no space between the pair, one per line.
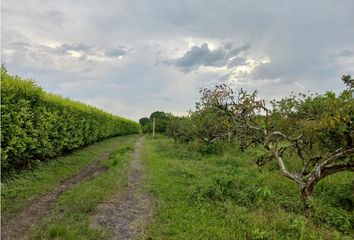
306,192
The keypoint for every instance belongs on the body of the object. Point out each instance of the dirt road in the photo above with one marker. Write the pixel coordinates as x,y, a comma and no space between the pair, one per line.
128,213
38,208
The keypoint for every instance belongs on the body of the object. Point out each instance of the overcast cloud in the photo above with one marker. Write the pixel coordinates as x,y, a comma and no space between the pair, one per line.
134,57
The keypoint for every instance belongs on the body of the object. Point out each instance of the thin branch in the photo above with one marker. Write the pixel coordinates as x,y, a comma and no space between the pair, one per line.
346,152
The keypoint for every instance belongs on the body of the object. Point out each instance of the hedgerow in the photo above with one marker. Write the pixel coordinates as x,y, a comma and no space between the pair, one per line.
36,125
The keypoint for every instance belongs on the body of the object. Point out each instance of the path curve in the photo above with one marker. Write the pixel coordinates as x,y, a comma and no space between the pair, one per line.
128,213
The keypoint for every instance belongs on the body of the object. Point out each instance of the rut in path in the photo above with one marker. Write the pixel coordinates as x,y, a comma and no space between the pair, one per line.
21,222
128,213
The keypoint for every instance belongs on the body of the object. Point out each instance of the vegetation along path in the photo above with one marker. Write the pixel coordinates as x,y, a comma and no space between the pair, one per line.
128,213
37,209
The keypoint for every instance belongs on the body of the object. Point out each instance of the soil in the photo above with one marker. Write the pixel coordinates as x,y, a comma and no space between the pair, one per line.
38,208
128,213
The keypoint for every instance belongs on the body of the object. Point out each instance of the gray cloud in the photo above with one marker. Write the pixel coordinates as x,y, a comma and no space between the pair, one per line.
65,54
117,51
344,53
71,48
53,16
81,47
203,56
237,61
9,36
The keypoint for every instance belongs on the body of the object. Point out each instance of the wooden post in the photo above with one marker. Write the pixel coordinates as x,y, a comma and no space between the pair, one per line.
153,127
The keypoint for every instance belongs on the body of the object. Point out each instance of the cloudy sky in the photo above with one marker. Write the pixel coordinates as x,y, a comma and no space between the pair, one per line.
133,57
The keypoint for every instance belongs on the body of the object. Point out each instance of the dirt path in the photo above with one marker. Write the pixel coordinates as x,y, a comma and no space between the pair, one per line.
38,208
128,213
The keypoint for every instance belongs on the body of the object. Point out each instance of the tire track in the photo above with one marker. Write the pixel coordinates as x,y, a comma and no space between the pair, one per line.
128,213
18,226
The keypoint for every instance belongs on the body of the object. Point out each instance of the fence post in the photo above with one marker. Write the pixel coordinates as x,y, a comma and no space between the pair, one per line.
153,127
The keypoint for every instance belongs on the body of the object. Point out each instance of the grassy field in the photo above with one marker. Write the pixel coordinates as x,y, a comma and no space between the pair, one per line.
228,197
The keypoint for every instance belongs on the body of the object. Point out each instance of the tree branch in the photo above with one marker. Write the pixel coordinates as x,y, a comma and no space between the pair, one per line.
346,152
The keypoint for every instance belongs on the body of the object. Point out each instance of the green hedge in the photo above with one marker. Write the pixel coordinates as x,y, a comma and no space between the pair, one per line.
37,125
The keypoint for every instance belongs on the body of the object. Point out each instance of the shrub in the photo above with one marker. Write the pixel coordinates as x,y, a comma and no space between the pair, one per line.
38,125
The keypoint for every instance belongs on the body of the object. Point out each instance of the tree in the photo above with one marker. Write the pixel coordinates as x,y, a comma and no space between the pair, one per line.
144,121
180,128
209,126
146,125
318,130
160,120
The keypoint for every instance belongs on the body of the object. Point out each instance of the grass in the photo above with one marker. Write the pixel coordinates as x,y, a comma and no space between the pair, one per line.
228,197
18,192
224,196
70,217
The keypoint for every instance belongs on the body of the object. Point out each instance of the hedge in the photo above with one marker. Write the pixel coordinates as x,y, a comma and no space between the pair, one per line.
37,125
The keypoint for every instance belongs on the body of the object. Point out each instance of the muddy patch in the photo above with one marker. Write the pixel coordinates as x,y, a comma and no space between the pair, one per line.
128,213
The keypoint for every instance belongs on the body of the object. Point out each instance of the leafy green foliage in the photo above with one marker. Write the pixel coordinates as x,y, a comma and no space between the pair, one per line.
209,126
161,120
180,128
143,121
324,121
145,124
37,125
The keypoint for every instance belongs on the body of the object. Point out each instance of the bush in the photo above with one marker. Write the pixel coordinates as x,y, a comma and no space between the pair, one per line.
211,148
37,125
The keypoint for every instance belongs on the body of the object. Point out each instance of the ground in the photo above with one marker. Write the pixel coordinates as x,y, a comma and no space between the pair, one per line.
137,187
129,212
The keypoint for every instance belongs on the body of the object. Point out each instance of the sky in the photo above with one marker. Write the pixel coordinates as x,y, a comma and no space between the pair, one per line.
134,57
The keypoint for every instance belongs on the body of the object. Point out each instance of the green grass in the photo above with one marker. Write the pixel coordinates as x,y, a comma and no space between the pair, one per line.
18,192
223,196
228,197
70,217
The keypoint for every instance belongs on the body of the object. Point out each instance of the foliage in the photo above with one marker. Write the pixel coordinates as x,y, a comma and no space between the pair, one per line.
209,126
143,121
161,120
145,124
38,125
318,130
180,128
